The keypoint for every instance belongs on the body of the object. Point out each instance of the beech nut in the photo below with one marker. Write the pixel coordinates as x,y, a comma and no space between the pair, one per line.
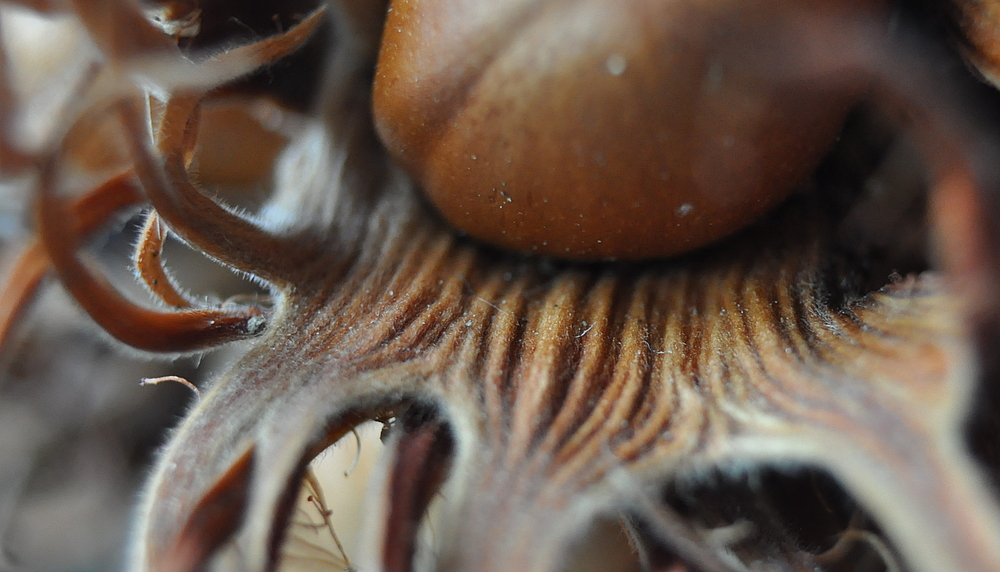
592,129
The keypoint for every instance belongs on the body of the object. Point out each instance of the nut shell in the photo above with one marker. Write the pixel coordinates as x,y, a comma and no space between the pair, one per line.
594,129
979,24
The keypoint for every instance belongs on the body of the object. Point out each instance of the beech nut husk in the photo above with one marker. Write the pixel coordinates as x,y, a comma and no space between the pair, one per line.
816,393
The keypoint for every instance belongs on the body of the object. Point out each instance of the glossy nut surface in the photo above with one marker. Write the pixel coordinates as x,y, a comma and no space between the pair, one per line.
597,129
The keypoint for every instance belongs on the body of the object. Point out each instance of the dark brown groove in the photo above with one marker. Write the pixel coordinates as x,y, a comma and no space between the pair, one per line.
555,357
767,388
653,370
504,349
689,330
637,362
420,316
609,387
581,407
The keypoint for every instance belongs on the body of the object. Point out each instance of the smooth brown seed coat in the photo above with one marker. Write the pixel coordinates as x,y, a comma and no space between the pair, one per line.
591,129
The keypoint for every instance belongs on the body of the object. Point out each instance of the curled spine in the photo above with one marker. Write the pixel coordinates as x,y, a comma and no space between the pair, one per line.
202,222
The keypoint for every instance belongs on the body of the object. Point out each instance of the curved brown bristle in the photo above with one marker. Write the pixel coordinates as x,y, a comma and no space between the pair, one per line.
136,326
198,219
86,214
148,263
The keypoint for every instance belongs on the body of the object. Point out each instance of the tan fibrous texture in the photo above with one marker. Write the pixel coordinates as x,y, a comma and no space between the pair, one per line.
540,126
573,392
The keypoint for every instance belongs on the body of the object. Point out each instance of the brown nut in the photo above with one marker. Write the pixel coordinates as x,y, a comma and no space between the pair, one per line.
592,129
979,23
